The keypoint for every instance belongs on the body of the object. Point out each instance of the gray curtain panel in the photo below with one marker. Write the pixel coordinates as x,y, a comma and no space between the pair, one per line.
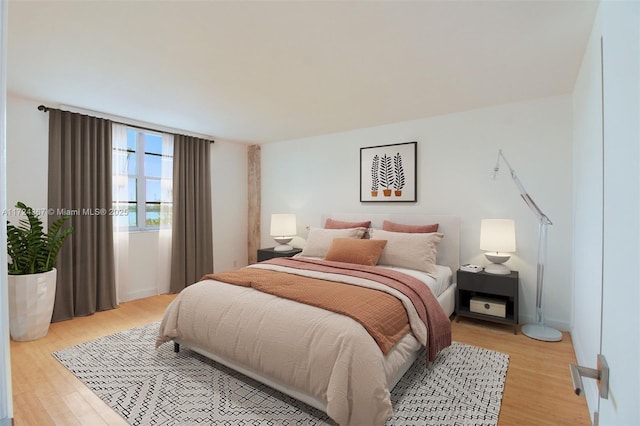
192,241
80,183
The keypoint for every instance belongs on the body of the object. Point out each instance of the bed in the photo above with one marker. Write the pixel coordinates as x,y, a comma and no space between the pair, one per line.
323,358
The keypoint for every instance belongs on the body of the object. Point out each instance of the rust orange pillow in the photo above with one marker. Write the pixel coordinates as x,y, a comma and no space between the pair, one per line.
319,239
350,250
409,229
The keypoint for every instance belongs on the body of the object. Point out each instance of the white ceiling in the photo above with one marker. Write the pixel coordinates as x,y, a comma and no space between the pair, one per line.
266,71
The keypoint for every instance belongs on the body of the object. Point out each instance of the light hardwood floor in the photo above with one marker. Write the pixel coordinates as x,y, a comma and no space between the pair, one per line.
538,389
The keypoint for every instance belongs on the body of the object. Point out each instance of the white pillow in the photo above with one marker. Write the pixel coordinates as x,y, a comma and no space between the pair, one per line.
413,251
319,239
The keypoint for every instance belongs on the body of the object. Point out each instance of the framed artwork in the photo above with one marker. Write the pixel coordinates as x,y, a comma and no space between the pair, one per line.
388,173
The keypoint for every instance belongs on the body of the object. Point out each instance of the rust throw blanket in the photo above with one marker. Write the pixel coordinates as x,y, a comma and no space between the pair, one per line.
381,314
426,304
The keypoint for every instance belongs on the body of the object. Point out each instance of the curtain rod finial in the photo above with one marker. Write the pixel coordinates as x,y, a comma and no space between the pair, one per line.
43,108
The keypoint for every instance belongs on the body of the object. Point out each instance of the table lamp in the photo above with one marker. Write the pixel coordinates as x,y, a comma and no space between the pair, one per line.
283,229
497,239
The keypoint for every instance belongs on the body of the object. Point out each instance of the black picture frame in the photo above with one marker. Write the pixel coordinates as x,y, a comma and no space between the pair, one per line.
388,173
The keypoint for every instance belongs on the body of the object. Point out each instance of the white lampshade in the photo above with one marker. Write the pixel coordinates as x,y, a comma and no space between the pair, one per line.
283,228
497,238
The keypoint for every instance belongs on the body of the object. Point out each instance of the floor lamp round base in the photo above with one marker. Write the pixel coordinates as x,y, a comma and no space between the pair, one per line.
541,332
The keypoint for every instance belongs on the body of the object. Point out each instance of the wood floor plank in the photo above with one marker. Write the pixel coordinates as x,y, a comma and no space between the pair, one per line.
61,414
538,389
83,411
28,410
103,411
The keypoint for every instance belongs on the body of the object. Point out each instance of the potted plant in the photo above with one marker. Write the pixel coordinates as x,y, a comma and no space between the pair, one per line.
32,276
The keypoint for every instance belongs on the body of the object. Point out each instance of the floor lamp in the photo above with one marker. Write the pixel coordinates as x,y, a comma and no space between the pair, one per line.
537,330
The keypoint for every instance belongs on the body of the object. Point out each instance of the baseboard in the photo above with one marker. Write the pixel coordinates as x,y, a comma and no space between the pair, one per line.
558,325
6,422
140,294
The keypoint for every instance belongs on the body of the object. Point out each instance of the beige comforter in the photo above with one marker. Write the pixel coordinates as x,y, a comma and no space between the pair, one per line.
320,353
381,314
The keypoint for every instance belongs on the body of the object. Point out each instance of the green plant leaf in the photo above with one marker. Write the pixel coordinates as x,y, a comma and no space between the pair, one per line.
30,250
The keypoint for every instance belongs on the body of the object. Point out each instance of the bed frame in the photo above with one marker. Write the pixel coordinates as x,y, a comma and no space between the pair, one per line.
448,255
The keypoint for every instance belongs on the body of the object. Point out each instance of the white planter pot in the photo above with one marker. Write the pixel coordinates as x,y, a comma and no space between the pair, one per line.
31,299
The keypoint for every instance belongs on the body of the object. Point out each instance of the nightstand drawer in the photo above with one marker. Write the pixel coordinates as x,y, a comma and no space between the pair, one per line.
270,253
493,307
501,285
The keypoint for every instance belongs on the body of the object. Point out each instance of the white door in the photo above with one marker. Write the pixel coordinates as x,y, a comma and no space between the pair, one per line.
620,328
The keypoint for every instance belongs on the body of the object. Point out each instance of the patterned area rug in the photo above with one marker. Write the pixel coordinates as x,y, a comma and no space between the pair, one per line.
159,387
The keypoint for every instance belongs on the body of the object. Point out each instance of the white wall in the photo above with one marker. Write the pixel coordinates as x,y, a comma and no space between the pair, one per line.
229,182
27,153
456,156
27,168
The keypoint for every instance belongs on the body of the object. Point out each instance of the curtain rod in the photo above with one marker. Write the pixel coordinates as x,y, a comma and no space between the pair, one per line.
45,108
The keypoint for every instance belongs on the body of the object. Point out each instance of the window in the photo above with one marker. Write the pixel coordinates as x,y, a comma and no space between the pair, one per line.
142,179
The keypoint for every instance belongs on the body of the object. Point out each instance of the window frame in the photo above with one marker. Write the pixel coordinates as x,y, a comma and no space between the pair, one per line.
141,181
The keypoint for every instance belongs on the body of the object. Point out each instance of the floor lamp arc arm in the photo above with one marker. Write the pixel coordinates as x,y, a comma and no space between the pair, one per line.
537,330
523,192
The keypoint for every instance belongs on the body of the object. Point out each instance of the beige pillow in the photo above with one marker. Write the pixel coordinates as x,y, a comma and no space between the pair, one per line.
338,224
319,240
412,251
351,250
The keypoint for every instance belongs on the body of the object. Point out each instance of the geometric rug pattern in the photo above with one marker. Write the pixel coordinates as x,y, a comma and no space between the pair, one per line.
149,386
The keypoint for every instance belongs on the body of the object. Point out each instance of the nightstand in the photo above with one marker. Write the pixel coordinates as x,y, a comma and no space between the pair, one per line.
481,285
270,253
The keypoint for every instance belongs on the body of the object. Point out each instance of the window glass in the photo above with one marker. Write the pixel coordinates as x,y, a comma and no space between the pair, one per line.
133,214
132,139
124,189
153,165
125,215
154,192
132,163
152,143
119,162
152,214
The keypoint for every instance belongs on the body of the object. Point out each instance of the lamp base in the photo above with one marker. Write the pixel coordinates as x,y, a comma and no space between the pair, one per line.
497,269
282,244
541,332
496,266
